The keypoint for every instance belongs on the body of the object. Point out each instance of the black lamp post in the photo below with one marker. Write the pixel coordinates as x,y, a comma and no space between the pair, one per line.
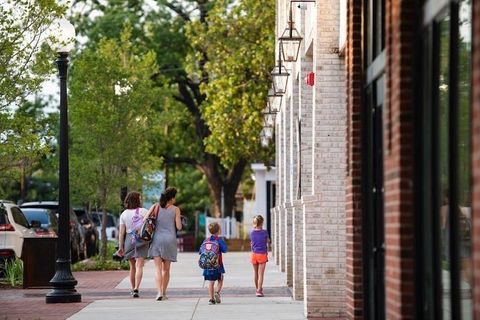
63,282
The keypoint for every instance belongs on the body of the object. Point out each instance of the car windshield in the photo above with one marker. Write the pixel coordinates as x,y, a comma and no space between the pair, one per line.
19,218
37,215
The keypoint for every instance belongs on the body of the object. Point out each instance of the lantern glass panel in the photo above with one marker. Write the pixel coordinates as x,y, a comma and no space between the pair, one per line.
290,50
264,141
290,44
274,101
268,132
280,79
269,119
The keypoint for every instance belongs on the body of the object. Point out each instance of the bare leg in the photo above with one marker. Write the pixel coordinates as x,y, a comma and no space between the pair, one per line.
139,272
255,275
220,284
132,272
261,273
165,275
158,274
210,289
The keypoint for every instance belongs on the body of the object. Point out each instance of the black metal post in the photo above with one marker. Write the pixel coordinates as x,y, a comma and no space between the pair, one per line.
63,282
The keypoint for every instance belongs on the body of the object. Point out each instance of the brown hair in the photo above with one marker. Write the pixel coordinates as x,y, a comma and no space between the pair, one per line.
214,227
167,195
132,200
258,221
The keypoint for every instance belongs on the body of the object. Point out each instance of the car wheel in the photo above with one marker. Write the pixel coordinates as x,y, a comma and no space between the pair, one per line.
91,245
74,253
83,252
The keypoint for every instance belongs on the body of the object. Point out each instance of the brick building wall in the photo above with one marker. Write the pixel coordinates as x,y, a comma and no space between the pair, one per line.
353,186
399,160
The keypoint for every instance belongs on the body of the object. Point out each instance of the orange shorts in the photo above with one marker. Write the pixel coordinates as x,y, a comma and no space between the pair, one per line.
258,258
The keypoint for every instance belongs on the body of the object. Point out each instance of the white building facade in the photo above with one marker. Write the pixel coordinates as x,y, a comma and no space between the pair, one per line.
308,221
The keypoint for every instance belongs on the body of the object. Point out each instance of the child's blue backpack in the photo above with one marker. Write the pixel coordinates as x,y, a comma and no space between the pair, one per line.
209,255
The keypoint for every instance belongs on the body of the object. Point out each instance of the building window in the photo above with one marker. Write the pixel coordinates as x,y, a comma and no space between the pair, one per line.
373,186
445,264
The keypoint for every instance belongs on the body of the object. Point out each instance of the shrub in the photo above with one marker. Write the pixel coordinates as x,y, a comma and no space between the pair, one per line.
14,272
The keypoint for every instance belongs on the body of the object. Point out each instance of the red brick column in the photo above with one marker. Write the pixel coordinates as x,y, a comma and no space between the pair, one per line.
476,157
399,160
353,56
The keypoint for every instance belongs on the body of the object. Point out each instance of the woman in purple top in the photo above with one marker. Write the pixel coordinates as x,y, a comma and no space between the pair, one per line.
259,241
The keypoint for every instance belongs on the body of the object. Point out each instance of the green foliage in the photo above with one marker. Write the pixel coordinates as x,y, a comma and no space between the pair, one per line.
14,272
213,59
108,129
112,95
192,191
239,42
24,62
27,140
96,263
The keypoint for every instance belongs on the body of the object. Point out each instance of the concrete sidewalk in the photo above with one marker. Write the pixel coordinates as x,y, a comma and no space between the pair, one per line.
188,299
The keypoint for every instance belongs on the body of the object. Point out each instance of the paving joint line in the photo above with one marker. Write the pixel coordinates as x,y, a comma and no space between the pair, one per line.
195,309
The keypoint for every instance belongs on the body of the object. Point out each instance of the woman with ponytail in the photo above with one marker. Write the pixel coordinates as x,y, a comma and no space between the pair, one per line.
163,248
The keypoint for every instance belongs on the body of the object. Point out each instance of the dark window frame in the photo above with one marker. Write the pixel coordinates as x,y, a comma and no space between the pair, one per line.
372,168
429,270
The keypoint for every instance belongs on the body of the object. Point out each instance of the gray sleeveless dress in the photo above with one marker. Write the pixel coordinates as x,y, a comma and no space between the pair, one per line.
164,242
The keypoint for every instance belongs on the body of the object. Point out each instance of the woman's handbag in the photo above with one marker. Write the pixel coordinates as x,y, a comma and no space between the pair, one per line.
147,230
148,227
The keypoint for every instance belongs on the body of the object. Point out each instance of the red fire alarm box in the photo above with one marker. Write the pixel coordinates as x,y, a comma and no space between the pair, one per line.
311,79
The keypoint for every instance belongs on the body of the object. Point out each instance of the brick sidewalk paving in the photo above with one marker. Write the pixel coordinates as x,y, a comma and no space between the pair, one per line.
30,303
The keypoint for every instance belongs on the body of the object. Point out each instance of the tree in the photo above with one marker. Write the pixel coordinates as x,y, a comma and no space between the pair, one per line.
24,62
214,58
27,139
111,102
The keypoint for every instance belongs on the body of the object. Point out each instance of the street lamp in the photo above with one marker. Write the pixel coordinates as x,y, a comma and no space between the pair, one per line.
269,119
268,132
274,101
280,75
63,282
291,39
264,140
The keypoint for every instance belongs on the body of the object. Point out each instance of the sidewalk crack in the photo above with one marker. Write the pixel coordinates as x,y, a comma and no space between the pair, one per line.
195,309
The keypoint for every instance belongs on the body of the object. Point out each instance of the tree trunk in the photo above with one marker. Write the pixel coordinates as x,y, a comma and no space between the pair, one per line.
217,181
103,249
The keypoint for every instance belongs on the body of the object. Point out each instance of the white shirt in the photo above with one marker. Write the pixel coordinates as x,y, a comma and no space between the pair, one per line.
127,215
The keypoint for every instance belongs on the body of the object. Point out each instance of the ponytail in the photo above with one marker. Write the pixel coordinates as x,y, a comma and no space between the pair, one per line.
167,195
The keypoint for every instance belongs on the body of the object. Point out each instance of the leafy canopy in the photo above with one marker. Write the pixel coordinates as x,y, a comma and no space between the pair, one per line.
112,94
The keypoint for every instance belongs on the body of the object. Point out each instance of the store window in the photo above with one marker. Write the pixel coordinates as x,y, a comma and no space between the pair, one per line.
373,184
445,228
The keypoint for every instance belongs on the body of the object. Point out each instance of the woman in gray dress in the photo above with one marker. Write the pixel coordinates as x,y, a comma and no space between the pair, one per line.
163,248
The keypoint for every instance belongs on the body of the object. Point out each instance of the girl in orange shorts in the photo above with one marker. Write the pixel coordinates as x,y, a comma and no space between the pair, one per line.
259,241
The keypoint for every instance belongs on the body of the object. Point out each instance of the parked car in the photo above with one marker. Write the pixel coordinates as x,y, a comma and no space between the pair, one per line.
48,221
78,248
14,227
112,228
90,230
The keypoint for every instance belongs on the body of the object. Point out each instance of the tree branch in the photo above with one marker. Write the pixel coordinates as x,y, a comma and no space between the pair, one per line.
177,160
177,10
